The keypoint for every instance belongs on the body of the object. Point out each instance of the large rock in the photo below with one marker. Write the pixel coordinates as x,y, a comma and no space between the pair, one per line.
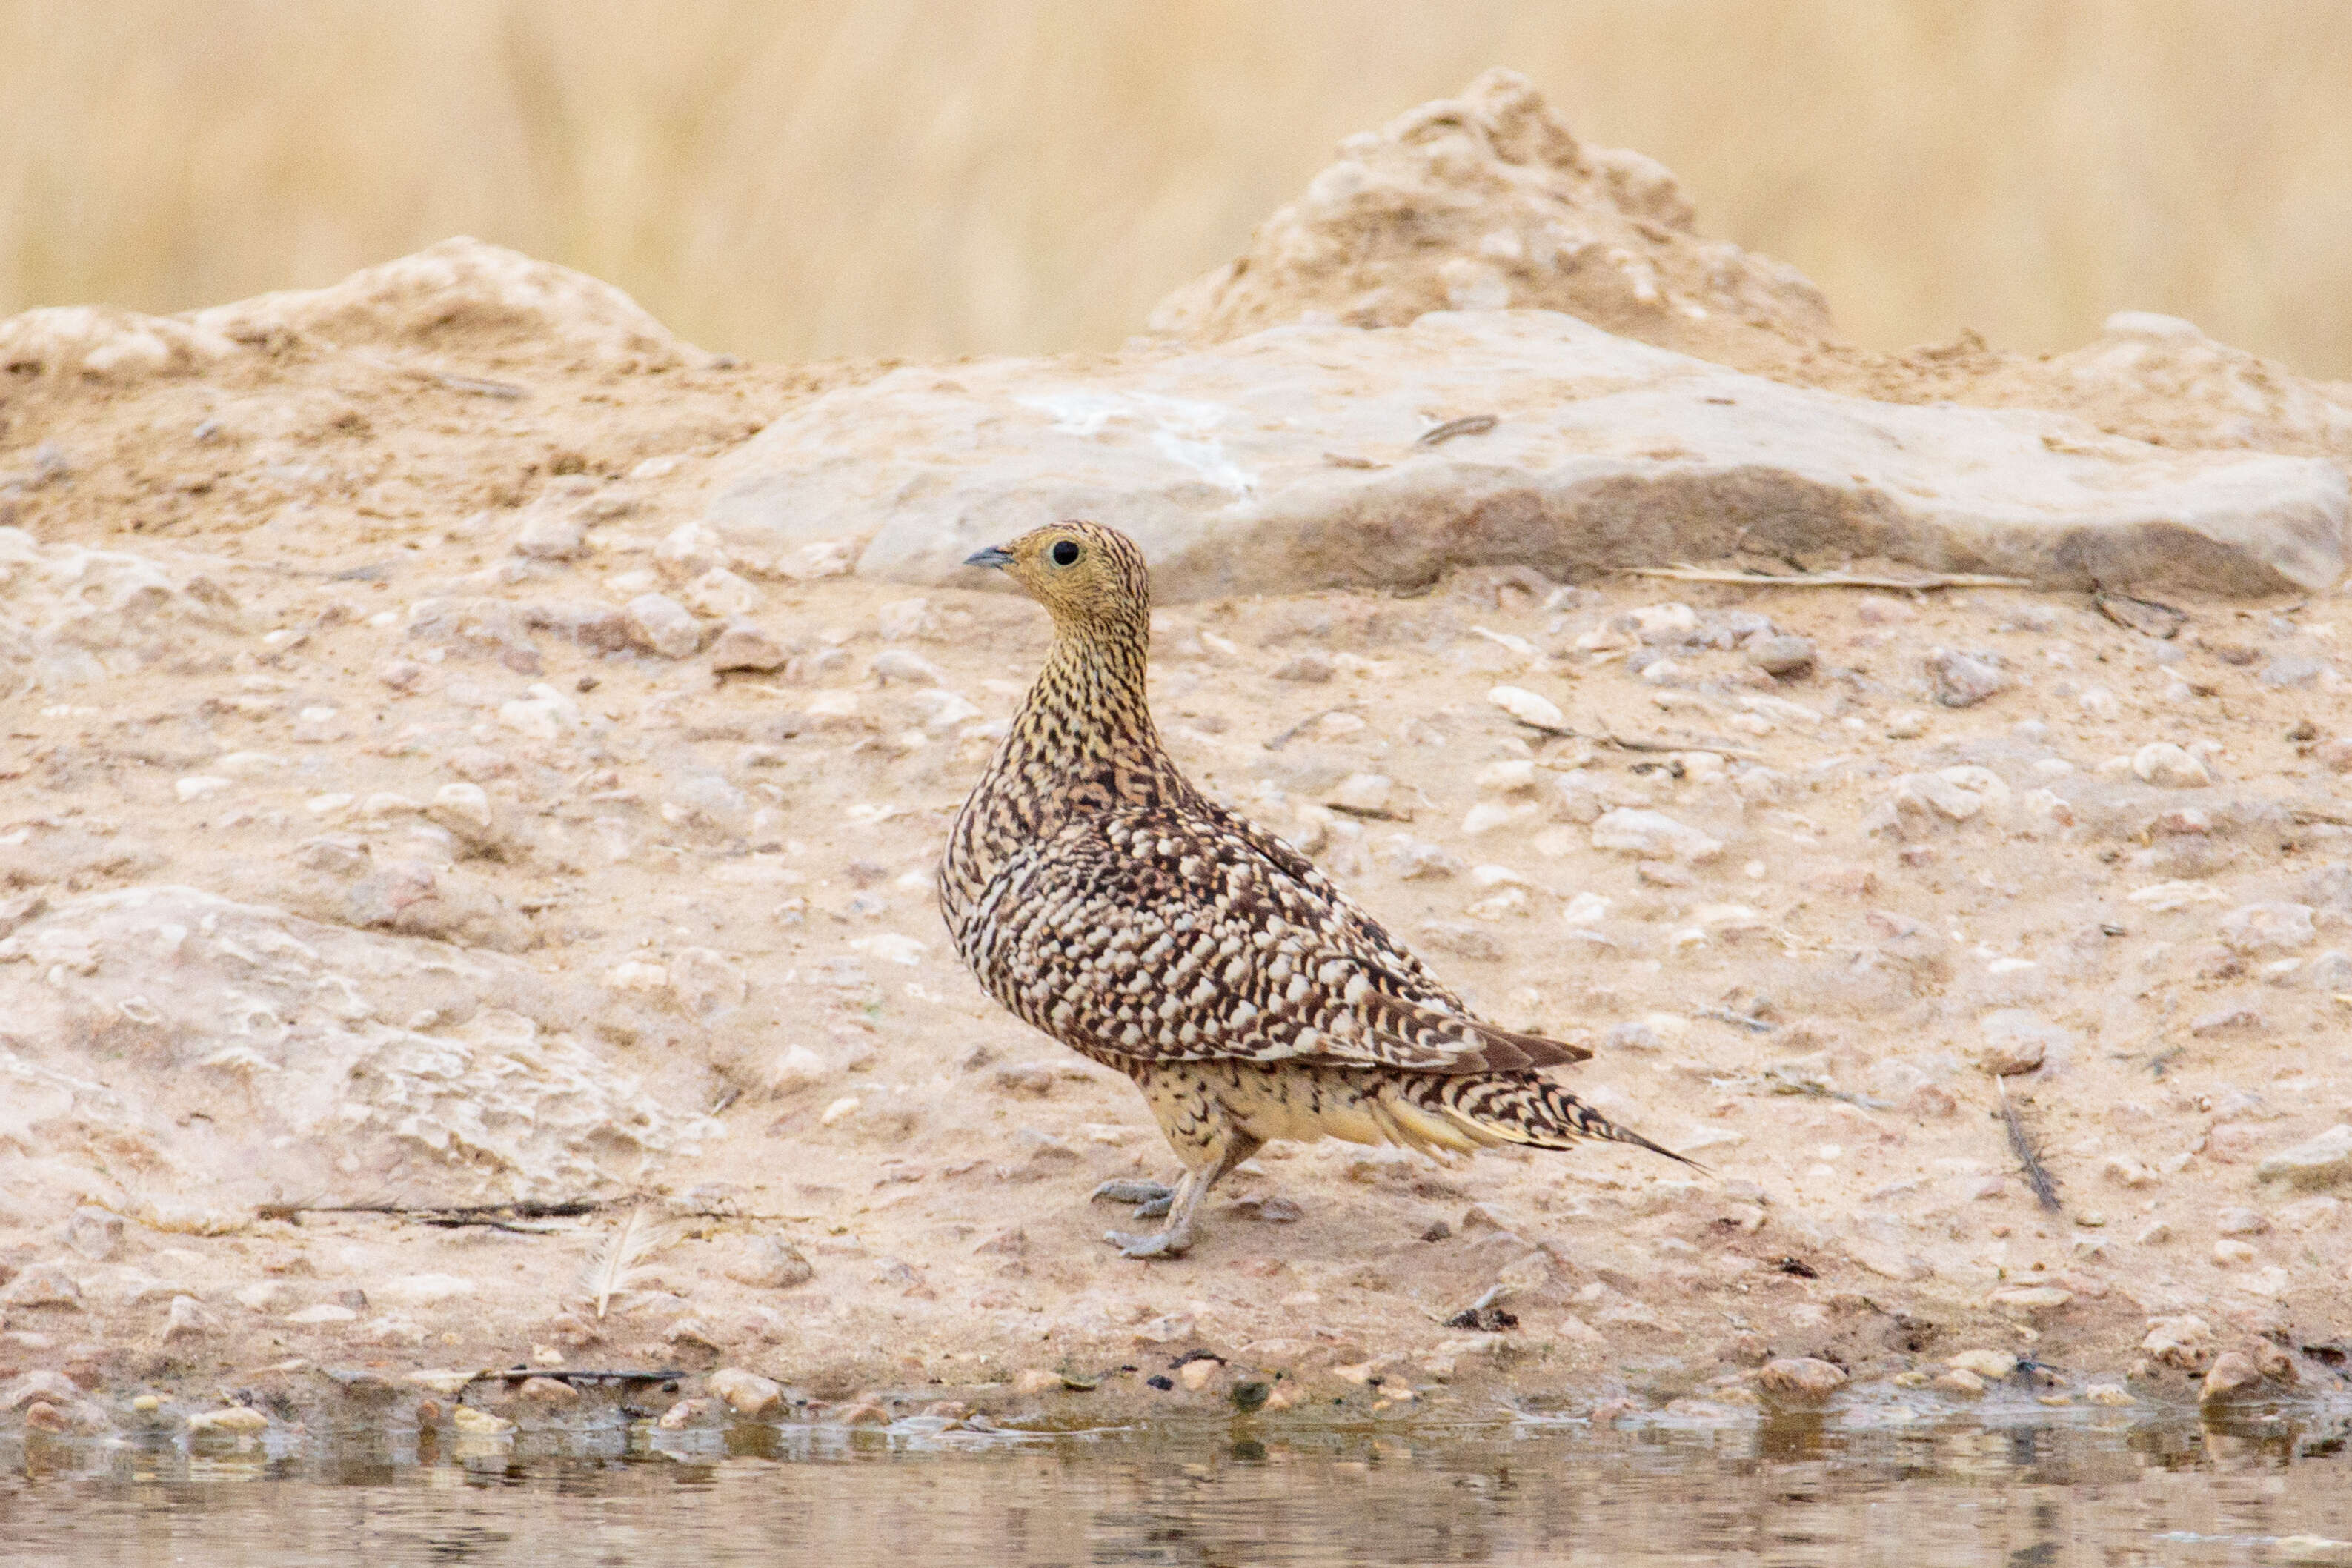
1293,458
211,1052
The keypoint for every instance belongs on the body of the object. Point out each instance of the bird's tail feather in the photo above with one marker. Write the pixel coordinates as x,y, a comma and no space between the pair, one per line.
1527,1108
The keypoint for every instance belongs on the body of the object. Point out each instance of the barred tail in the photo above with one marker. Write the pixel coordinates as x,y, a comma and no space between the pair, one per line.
1524,1108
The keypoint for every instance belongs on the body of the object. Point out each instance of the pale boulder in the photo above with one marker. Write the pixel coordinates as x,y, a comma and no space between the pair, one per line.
1604,453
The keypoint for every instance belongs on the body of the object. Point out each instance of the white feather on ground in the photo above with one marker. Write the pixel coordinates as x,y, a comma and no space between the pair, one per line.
620,1262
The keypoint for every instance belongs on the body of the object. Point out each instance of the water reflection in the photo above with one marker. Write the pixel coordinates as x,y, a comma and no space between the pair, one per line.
1796,1492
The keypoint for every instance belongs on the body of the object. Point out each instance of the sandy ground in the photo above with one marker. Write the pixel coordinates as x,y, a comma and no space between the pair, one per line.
1867,911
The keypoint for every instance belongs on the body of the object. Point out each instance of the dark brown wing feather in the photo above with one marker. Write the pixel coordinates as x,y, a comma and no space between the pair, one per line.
1169,936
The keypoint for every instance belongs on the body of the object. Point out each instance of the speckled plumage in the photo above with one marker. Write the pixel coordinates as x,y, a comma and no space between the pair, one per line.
1099,896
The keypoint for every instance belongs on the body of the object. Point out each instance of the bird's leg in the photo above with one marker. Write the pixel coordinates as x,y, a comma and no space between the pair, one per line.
1175,1238
1151,1199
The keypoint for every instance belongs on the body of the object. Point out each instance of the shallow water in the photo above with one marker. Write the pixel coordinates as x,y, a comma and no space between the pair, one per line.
1788,1491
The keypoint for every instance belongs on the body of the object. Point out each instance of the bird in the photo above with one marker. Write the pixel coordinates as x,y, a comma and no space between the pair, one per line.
1098,894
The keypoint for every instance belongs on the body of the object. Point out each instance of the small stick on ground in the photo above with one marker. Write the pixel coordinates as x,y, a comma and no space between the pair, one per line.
1292,733
2145,616
1605,738
1628,743
1681,573
560,1374
494,1217
468,384
2037,1176
1468,425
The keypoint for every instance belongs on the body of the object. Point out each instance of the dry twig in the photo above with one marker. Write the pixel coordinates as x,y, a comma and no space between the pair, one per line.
1684,573
1468,425
450,1216
2020,1144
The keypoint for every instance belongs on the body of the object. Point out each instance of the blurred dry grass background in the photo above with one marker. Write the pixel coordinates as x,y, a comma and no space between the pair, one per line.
909,176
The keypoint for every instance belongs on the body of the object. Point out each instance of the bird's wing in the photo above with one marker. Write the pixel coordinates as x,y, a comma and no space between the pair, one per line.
1187,937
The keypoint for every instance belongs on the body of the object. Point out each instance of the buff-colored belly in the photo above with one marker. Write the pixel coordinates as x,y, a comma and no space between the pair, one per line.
1296,1103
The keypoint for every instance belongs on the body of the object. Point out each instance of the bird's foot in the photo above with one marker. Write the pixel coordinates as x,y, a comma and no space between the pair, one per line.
1152,1199
1158,1244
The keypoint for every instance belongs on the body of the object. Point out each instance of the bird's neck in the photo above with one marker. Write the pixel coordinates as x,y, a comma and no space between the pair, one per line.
1087,723
1081,745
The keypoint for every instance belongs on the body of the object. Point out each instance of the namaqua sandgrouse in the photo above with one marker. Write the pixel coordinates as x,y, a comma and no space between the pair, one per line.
1102,898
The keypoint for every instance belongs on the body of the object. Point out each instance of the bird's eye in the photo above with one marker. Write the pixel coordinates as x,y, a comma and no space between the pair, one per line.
1064,553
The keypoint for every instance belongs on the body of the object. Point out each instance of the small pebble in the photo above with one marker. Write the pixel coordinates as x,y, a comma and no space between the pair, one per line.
2013,1056
1527,708
1965,679
904,667
1653,835
1196,1376
94,1233
1310,666
2261,929
682,1415
721,595
2168,766
551,535
1366,793
1800,1379
771,1263
237,1420
42,1285
188,1317
1785,657
2323,1161
746,1393
478,1423
2233,1374
661,625
741,644
1993,1365
1511,777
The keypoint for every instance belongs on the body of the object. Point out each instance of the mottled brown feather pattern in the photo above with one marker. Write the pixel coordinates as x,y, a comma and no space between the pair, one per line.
1099,896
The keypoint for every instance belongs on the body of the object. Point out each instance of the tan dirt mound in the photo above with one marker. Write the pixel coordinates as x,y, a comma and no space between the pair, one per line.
461,296
1487,201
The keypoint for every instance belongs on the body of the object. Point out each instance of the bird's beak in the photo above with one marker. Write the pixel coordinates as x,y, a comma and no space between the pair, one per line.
992,556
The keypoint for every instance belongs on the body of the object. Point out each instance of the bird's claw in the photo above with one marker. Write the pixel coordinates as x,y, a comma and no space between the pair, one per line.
1158,1244
1152,1199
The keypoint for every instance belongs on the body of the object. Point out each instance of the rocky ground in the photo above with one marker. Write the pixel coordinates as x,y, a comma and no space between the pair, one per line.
450,921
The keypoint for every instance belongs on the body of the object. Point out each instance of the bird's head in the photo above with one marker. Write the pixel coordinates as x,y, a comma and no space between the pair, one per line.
1090,578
